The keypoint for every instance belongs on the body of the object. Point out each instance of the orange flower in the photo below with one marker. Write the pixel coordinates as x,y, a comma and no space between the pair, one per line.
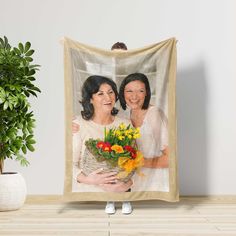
131,164
117,148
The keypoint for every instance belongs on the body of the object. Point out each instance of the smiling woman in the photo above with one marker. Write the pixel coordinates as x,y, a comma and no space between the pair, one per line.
135,94
99,95
103,102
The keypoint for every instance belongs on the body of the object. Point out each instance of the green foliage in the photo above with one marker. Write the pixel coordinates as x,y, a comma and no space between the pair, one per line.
17,75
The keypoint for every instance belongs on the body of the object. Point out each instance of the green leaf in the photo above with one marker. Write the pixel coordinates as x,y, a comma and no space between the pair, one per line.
26,69
31,78
31,72
2,96
26,93
1,100
10,106
9,154
5,40
25,132
5,139
29,53
21,47
31,141
22,160
17,51
27,46
11,135
5,106
34,67
30,147
29,59
29,137
32,92
20,125
19,143
36,89
13,148
30,130
24,150
1,43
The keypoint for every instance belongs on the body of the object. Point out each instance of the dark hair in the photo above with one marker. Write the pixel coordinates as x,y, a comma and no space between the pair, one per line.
90,87
119,45
133,77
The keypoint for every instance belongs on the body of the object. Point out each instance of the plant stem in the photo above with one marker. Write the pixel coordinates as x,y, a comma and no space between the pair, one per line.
1,166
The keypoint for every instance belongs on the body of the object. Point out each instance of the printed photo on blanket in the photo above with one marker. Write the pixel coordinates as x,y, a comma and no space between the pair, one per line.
120,122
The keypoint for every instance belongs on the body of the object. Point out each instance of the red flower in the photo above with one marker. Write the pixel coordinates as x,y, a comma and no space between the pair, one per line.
129,148
100,144
133,154
106,147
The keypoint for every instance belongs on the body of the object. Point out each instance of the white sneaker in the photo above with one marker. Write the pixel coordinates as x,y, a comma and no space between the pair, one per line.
110,208
126,208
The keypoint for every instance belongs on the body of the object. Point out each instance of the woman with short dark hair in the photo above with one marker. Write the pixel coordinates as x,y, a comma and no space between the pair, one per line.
90,87
135,77
135,94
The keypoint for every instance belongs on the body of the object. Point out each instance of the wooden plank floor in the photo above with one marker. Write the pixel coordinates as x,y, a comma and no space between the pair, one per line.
191,216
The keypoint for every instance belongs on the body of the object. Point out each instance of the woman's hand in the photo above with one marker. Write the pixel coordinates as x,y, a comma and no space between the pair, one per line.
117,187
97,177
158,162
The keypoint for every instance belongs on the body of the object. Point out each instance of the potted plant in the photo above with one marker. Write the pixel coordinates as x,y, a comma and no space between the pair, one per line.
17,76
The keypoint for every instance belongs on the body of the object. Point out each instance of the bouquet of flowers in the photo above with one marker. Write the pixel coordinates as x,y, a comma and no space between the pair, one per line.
117,152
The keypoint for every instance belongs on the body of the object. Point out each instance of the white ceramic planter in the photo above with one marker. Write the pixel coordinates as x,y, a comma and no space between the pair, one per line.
12,191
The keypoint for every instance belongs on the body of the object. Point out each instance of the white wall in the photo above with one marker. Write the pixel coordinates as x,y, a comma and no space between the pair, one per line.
206,82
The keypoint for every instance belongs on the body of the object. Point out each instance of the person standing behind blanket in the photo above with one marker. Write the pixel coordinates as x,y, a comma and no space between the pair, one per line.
126,205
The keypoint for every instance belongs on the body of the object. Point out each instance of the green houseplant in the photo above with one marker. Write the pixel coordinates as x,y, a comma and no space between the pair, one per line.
17,76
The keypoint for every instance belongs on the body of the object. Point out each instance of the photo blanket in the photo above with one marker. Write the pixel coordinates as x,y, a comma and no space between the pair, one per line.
157,133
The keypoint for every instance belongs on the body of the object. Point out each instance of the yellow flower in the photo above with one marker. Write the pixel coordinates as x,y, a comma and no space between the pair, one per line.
117,148
129,136
136,133
128,131
122,126
117,133
136,136
120,137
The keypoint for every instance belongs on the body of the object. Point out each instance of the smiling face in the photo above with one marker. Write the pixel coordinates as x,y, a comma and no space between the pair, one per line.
104,100
134,94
